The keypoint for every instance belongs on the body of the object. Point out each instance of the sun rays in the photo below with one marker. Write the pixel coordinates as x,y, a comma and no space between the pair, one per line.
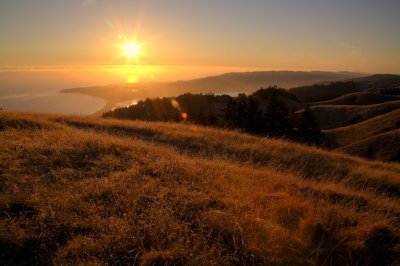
131,49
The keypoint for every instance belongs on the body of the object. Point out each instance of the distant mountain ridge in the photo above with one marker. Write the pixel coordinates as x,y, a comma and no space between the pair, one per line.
250,81
247,82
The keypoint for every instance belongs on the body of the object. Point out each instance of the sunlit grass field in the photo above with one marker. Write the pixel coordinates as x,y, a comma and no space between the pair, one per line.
87,191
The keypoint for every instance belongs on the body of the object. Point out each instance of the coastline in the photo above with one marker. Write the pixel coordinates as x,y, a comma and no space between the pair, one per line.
107,107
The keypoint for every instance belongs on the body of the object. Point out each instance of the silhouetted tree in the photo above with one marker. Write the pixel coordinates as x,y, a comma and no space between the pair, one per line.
243,112
277,121
308,127
211,118
201,118
254,116
266,93
230,114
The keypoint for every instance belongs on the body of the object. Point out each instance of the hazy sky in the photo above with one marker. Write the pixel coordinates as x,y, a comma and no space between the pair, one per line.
354,35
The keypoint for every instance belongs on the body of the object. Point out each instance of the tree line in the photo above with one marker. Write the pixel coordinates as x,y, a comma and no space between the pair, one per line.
261,113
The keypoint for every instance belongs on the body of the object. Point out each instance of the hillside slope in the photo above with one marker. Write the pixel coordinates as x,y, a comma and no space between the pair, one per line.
333,116
379,81
379,124
328,91
384,147
360,98
84,191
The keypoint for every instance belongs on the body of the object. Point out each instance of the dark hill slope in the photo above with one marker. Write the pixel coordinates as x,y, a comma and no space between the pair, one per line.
327,91
379,81
379,124
360,98
324,91
333,116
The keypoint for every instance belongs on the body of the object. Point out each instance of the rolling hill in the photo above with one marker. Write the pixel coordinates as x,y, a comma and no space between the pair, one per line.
384,147
321,92
333,116
343,136
78,190
329,90
378,81
375,138
360,98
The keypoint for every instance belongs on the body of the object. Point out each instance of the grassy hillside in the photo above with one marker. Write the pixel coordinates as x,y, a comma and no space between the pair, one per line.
382,123
384,147
93,191
333,116
360,98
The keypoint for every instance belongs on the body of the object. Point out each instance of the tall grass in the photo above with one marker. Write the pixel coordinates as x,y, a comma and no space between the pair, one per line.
85,191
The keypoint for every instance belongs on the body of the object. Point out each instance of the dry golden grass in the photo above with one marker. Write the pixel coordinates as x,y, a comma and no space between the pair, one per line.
80,191
383,146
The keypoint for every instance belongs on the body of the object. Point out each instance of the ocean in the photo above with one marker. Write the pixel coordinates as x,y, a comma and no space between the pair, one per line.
38,89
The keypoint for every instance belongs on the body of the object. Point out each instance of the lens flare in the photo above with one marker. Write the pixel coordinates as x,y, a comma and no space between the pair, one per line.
175,104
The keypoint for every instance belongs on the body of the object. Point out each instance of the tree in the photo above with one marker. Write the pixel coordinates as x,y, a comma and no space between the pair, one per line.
308,128
244,113
211,118
201,118
277,121
230,114
253,116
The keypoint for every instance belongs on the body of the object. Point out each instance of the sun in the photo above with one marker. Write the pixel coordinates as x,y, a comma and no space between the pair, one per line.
131,49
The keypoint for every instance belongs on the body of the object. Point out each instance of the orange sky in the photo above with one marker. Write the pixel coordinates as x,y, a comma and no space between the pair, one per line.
355,35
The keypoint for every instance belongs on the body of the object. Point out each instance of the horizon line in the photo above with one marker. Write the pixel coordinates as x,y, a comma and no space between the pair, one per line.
251,68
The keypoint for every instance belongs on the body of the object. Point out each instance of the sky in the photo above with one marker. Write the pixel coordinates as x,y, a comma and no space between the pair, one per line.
335,35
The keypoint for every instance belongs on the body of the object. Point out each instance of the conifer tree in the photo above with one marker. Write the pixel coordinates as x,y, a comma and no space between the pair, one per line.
231,114
253,116
308,128
277,122
211,118
201,119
